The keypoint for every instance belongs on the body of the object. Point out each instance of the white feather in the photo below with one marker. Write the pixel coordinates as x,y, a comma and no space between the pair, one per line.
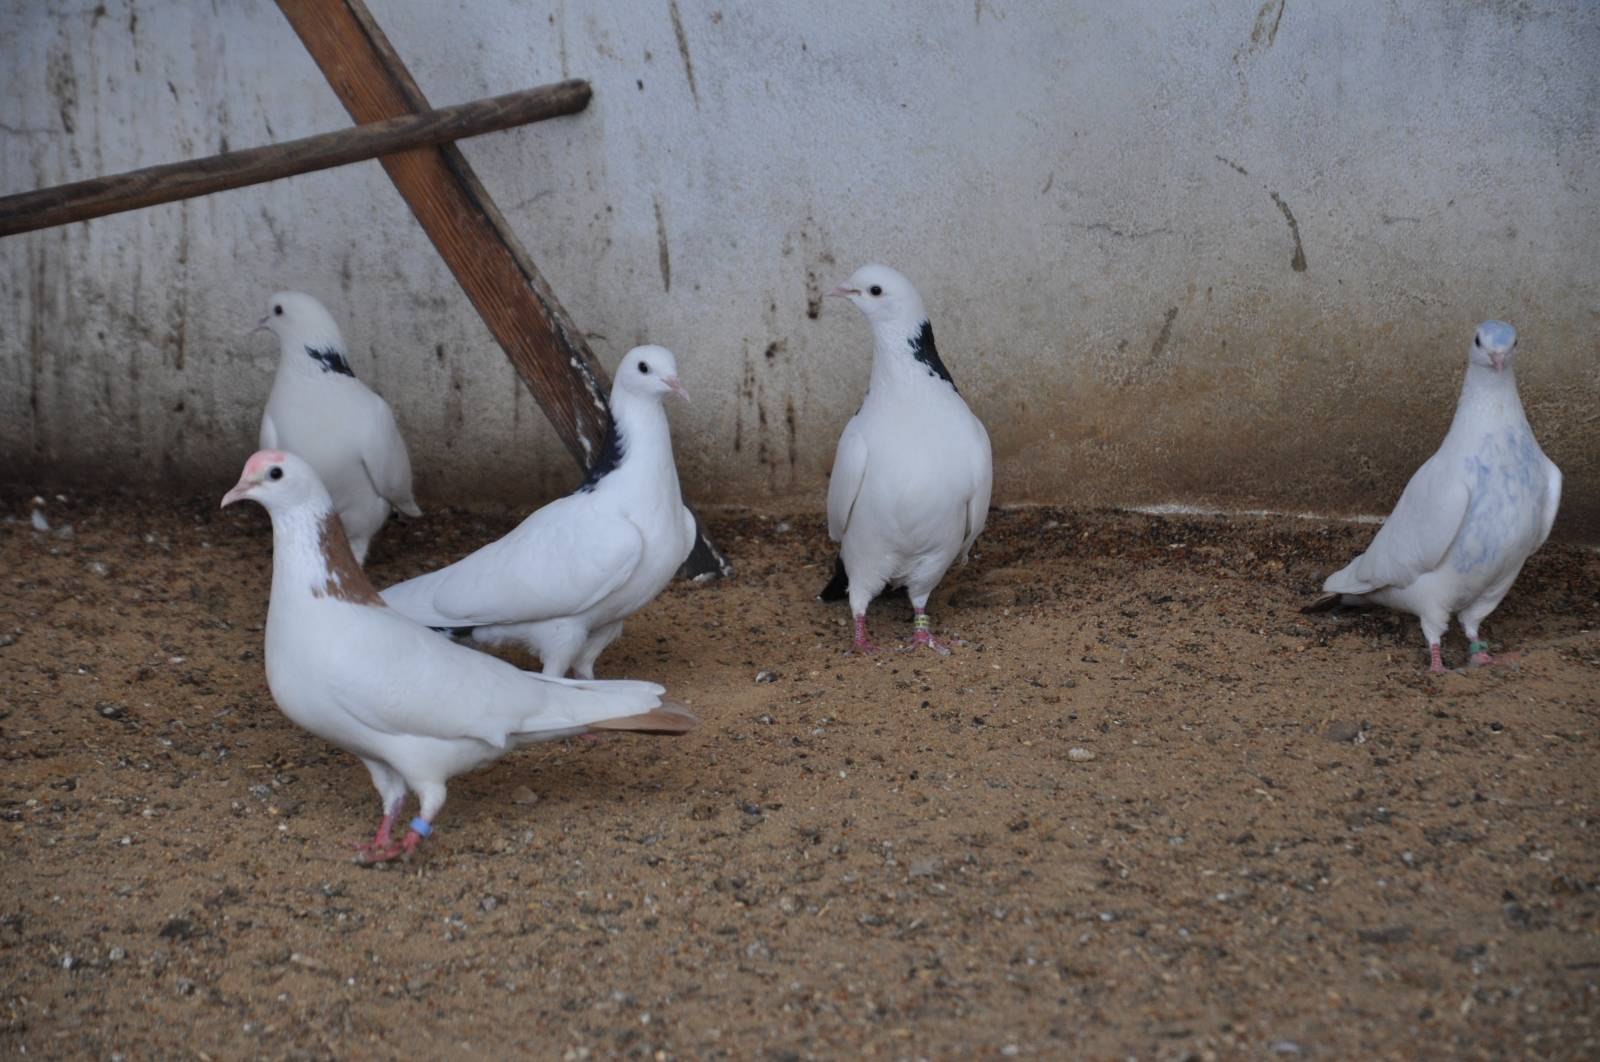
563,581
1471,515
913,472
345,431
416,708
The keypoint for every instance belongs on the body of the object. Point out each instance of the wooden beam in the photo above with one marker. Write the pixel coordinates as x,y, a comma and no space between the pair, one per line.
95,198
522,313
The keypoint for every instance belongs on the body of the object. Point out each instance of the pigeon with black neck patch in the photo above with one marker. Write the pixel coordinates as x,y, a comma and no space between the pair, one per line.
415,708
911,478
562,582
320,411
1470,516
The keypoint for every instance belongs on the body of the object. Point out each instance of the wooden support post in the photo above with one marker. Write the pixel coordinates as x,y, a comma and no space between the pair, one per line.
471,235
82,200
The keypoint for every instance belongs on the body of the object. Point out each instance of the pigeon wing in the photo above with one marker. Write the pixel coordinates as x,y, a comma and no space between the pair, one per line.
978,501
1552,498
384,456
561,561
844,484
1415,537
432,687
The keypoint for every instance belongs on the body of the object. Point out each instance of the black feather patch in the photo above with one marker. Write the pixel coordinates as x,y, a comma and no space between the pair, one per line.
923,350
838,587
454,632
330,360
611,454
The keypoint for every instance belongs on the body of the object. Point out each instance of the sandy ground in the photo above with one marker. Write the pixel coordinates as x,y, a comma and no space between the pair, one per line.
1284,837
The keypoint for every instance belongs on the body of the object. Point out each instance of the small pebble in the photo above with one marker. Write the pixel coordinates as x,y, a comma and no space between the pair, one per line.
766,676
523,795
1079,755
39,522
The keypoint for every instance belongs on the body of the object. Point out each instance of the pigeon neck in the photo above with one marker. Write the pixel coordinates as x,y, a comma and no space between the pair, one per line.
637,452
1487,394
905,354
315,358
310,552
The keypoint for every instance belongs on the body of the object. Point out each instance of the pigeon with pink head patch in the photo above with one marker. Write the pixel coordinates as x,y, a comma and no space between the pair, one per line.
1470,516
337,424
416,708
561,583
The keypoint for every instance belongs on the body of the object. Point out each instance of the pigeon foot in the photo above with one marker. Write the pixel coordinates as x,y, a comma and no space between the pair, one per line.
1437,665
380,840
401,849
863,644
922,634
1481,657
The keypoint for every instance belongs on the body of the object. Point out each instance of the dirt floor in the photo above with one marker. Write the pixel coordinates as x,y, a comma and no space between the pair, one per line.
1147,809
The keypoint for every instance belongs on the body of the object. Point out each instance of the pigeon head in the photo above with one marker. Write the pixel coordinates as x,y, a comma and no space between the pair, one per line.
650,372
1494,346
300,320
277,480
884,296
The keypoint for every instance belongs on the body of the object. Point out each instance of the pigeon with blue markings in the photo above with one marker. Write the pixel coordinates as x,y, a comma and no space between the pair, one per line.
321,412
909,492
1469,518
417,709
562,582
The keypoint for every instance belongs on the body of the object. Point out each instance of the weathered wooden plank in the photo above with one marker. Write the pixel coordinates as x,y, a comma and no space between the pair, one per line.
509,293
82,200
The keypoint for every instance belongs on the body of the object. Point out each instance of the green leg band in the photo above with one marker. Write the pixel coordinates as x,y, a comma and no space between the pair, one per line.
922,623
1477,647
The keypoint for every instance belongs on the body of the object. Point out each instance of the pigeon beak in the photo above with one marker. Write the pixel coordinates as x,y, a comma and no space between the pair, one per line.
240,491
676,388
261,326
1498,361
842,292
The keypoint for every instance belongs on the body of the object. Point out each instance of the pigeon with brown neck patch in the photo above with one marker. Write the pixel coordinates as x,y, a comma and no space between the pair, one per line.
416,708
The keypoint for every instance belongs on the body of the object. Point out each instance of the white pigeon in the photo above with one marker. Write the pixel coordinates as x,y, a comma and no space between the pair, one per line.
1471,515
321,412
912,475
562,581
416,708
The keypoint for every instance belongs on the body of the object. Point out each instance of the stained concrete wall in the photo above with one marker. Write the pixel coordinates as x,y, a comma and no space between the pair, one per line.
1226,253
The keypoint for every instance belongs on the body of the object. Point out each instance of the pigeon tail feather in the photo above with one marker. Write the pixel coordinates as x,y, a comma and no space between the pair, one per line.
838,587
1323,603
670,718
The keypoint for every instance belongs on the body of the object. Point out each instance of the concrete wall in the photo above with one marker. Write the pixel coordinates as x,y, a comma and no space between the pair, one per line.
1224,253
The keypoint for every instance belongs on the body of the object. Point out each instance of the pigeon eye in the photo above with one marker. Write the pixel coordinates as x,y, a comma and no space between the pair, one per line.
875,290
275,472
1477,341
644,367
278,310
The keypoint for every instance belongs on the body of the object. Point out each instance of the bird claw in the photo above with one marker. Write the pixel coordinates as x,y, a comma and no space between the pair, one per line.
370,854
864,647
1486,660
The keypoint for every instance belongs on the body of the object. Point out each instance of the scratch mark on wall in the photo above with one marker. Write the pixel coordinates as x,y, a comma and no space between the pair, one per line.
683,48
1232,165
663,257
1262,29
1127,234
1049,182
1298,262
1165,335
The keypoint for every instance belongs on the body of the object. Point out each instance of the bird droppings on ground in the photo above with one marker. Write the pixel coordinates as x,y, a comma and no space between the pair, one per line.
1292,841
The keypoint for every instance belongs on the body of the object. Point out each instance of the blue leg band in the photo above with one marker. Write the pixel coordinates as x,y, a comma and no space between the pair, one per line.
420,826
